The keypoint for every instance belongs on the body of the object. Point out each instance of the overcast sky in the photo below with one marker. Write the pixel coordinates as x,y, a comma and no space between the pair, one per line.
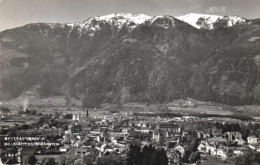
15,13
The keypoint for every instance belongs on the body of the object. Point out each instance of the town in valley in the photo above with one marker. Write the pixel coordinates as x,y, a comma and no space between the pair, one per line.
180,132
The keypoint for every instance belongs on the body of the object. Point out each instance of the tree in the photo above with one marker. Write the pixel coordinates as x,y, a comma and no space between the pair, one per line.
65,127
68,116
69,157
111,159
163,159
257,158
193,147
4,109
48,161
194,156
209,152
162,141
156,158
78,162
186,156
147,154
25,126
90,158
134,155
31,160
248,158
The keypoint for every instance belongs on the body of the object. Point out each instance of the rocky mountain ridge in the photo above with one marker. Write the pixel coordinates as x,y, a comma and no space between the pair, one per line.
122,58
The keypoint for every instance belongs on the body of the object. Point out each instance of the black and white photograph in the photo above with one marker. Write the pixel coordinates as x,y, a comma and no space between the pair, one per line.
129,82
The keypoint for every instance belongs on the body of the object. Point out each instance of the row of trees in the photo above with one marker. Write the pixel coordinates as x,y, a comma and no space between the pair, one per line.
31,160
72,158
111,159
147,156
135,156
252,158
196,125
4,109
245,129
191,155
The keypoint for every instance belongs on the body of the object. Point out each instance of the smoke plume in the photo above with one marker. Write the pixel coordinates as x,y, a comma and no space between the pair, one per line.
25,104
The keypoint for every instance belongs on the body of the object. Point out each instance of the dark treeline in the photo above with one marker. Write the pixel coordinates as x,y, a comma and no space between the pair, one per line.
192,126
158,114
147,156
245,129
252,158
235,116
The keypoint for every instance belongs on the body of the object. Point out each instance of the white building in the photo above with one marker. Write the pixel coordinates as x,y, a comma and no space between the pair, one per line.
252,140
179,149
156,136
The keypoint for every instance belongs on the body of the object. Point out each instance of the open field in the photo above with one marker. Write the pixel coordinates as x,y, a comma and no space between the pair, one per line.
32,102
204,109
252,110
183,107
227,119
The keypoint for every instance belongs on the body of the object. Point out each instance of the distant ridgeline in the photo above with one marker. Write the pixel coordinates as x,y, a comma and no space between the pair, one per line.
121,58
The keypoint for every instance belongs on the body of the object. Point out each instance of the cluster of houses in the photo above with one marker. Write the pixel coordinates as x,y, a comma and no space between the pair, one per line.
115,131
109,135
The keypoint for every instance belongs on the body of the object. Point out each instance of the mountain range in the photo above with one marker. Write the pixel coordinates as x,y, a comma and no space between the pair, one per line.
120,58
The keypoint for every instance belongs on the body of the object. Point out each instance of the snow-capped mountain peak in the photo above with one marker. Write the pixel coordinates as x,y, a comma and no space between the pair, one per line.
137,19
120,19
130,21
117,20
233,20
206,21
193,18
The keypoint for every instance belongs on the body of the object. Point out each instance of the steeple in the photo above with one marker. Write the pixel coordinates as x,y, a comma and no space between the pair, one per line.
87,113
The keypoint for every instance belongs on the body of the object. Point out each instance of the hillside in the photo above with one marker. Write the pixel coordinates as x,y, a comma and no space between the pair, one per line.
122,58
